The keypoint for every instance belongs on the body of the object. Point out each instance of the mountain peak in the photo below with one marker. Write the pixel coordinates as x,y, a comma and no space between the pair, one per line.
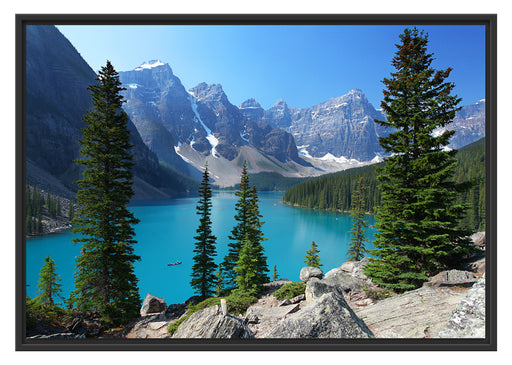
150,64
280,103
249,103
356,92
204,90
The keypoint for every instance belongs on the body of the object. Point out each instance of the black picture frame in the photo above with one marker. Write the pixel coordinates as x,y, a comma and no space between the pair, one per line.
487,344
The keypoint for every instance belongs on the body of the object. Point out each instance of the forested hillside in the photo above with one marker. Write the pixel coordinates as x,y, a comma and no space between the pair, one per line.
334,191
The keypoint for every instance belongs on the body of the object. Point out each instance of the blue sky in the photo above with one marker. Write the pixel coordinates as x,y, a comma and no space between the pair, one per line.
304,65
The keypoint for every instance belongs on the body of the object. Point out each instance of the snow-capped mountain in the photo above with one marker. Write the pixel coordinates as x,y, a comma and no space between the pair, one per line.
343,126
187,128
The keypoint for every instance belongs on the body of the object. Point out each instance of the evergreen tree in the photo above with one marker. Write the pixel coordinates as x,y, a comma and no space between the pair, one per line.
417,234
203,277
255,235
239,232
312,258
105,280
248,228
247,269
275,277
357,248
49,285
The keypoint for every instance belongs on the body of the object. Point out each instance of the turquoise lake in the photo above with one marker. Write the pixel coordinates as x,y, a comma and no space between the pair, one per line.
165,234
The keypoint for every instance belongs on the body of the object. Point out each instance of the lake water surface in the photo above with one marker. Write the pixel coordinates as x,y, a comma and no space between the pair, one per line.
165,234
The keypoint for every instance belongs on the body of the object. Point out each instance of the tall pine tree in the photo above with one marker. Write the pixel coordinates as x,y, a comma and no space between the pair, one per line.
239,232
255,235
248,228
356,244
203,277
417,234
105,280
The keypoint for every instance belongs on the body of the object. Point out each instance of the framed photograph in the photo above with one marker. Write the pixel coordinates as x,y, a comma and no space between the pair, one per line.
256,182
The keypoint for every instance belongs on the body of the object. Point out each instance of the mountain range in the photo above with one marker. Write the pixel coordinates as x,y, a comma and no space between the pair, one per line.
176,131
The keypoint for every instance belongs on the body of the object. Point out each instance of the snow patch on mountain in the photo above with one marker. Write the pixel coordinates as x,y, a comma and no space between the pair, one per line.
341,160
209,135
149,65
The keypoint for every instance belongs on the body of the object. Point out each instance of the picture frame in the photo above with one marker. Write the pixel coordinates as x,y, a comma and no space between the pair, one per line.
489,21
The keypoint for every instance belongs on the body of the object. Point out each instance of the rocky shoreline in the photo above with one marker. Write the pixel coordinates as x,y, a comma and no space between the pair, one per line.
343,303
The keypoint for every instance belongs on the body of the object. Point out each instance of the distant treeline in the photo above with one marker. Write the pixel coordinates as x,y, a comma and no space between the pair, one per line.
334,191
269,181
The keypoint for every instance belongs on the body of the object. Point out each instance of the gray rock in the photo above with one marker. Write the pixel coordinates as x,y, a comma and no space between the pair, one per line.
152,304
345,281
468,318
251,319
309,272
211,323
297,299
358,271
348,267
452,278
419,313
479,240
149,326
327,317
335,280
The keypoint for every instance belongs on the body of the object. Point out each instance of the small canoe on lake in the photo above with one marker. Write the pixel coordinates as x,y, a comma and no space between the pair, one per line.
174,263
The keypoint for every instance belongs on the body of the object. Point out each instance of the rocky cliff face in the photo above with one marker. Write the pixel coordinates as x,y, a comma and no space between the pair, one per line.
342,126
57,99
271,140
469,124
345,126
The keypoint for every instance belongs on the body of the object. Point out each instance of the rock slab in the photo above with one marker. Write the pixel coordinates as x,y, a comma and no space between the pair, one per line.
468,318
419,313
211,323
328,317
452,278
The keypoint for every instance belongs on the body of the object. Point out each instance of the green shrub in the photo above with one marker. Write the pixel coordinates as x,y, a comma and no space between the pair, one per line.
174,326
238,301
290,290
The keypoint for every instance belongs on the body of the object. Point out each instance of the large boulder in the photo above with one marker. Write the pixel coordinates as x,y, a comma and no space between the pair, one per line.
478,240
329,316
343,280
309,272
468,318
152,304
211,323
452,278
